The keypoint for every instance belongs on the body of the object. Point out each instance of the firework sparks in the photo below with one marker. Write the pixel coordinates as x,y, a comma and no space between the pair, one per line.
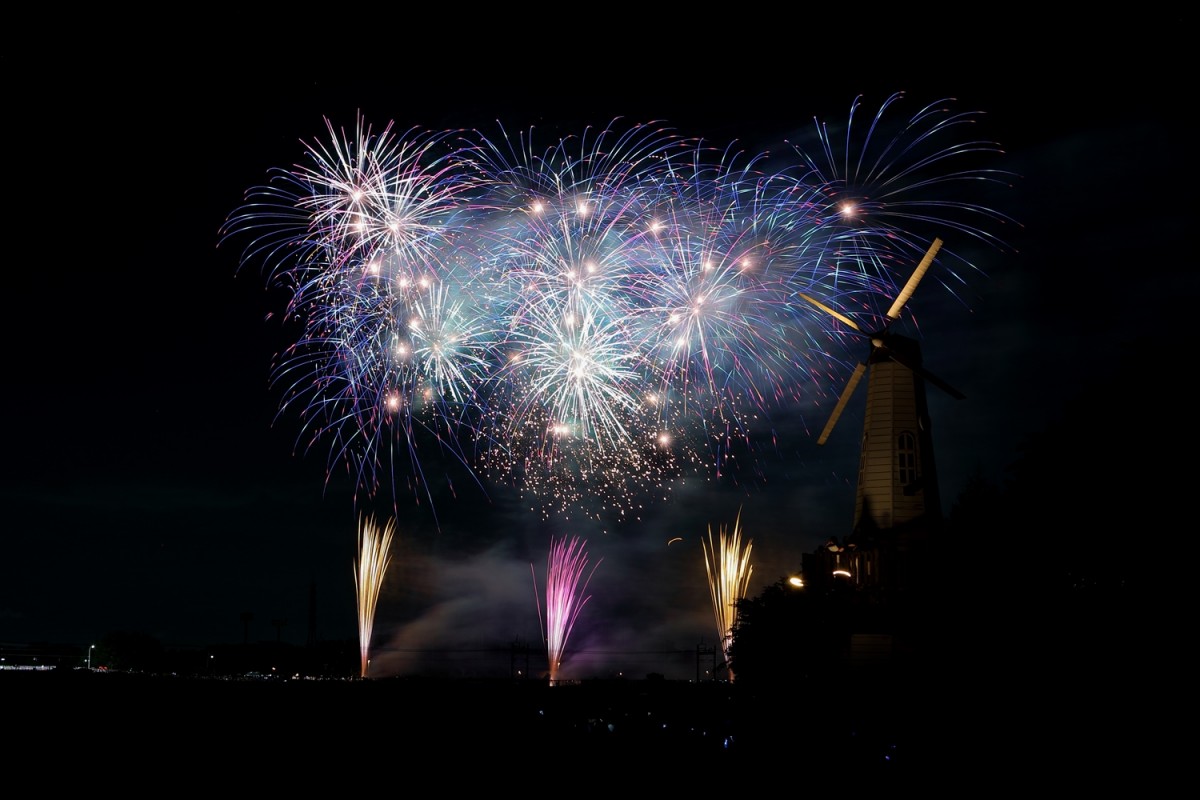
591,321
565,598
729,569
374,555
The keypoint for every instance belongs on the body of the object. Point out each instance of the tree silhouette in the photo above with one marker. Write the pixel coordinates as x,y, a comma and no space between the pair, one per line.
788,635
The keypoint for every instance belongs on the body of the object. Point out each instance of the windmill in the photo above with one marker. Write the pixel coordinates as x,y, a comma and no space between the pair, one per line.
897,480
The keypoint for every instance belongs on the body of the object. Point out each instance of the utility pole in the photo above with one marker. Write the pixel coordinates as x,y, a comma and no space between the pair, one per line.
703,652
516,649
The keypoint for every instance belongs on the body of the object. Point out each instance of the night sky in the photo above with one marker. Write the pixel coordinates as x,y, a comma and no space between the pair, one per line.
149,487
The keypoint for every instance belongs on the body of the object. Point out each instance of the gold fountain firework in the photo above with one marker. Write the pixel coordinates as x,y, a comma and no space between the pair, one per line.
729,569
374,555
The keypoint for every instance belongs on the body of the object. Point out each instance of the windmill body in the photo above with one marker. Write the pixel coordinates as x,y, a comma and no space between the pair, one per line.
897,503
897,477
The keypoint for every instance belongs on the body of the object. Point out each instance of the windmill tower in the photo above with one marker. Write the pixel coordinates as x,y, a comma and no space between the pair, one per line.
897,504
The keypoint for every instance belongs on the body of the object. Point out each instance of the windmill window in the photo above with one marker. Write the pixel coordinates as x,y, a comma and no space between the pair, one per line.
906,454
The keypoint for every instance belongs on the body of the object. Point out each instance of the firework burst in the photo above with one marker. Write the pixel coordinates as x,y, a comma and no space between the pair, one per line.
887,190
366,236
572,396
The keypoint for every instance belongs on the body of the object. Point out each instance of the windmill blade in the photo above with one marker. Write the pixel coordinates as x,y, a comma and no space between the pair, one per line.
928,376
941,384
911,286
830,311
859,371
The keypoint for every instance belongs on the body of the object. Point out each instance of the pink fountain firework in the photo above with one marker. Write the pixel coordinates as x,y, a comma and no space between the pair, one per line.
565,598
374,555
593,320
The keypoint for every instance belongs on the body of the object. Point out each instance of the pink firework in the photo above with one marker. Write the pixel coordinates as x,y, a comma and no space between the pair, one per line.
565,587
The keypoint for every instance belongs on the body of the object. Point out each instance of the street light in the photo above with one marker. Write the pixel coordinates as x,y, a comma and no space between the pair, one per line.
90,649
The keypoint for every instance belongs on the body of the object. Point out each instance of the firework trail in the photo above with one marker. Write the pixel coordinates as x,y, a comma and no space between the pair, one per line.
592,320
729,569
374,555
565,598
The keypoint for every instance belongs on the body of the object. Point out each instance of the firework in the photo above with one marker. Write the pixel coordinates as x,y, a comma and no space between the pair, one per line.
374,555
571,403
592,320
729,569
565,598
368,237
887,190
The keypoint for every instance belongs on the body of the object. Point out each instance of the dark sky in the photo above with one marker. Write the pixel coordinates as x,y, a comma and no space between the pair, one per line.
147,487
